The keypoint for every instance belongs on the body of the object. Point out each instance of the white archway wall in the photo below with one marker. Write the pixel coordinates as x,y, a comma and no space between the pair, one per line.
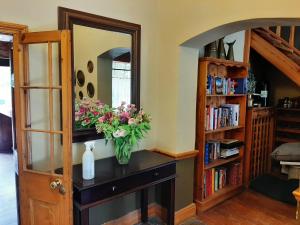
181,21
167,90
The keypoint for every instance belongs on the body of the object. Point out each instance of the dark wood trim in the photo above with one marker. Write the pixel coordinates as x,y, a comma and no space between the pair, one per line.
68,17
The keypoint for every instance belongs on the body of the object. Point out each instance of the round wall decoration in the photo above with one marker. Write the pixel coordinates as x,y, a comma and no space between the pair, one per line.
80,95
90,90
80,78
90,66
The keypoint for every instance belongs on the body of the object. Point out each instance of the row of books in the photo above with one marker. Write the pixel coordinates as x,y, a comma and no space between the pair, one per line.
216,179
219,117
216,149
218,85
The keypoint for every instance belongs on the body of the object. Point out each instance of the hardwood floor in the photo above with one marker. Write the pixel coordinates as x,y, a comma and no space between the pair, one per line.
250,208
8,208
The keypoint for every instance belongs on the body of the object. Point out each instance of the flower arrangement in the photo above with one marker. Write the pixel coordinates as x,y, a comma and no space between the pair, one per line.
125,126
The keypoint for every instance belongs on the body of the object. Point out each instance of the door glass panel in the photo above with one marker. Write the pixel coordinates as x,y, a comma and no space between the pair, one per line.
39,109
57,112
40,156
38,64
55,64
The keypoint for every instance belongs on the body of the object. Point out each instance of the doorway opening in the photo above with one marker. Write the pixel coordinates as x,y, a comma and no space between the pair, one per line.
8,156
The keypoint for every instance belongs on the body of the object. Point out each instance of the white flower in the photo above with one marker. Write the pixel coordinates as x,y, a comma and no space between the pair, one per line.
120,133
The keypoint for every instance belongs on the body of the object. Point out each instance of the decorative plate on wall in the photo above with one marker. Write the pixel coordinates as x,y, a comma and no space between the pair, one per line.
90,90
90,66
80,78
80,95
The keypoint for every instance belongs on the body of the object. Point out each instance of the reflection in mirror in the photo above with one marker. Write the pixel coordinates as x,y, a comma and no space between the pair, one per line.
107,51
110,79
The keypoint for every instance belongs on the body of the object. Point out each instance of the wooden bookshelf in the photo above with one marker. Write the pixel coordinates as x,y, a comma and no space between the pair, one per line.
220,162
287,125
226,69
223,129
220,196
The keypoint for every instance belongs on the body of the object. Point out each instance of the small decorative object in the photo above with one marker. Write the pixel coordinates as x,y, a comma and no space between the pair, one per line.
250,101
80,78
221,49
90,90
80,95
230,53
88,161
90,66
124,126
211,50
251,82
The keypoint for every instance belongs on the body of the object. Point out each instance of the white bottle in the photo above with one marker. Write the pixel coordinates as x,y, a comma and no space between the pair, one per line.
88,161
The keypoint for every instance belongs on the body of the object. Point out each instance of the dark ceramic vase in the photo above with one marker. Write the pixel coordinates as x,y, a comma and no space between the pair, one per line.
221,49
211,50
230,53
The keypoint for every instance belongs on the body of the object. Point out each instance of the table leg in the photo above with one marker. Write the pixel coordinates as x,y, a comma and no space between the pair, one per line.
144,205
171,201
81,217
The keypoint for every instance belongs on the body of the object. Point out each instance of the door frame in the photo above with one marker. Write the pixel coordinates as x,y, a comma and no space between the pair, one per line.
17,30
11,29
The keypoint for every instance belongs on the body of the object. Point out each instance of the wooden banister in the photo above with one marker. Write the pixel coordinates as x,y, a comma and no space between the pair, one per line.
292,36
278,30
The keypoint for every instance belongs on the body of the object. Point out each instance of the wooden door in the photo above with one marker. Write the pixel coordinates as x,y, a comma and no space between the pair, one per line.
43,124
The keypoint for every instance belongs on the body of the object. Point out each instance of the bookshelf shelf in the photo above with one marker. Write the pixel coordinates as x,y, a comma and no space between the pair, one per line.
289,130
289,119
219,108
218,197
223,129
235,95
287,125
289,109
220,162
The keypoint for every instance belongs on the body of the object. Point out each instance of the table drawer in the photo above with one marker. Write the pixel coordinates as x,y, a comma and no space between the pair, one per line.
127,184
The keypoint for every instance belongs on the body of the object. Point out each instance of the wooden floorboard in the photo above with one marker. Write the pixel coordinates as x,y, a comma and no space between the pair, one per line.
250,208
8,208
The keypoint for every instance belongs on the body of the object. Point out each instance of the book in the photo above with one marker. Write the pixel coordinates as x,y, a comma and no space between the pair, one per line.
240,85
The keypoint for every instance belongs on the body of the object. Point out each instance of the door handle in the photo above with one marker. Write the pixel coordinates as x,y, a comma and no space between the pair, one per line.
57,184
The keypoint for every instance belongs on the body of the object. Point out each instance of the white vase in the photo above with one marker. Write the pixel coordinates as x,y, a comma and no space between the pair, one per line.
88,161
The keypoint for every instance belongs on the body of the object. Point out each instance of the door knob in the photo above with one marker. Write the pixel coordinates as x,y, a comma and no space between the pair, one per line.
57,184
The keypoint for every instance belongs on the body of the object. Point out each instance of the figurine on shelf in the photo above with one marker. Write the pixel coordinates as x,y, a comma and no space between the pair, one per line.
230,53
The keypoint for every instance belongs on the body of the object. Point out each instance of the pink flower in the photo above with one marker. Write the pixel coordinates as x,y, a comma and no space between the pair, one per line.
131,121
101,119
95,113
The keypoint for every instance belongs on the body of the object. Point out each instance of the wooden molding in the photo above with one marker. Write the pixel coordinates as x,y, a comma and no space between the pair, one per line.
185,213
247,46
179,155
11,28
155,210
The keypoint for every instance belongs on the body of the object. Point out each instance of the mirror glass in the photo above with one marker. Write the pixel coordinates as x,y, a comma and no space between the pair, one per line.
102,58
105,65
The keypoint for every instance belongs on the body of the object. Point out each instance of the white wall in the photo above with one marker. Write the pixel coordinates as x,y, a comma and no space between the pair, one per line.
168,90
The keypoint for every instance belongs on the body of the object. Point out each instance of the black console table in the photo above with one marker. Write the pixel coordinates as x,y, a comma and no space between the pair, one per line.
146,168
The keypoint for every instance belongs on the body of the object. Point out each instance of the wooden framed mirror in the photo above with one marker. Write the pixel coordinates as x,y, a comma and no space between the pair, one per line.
114,48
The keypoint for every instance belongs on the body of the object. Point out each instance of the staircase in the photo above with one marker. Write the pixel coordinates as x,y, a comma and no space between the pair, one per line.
281,53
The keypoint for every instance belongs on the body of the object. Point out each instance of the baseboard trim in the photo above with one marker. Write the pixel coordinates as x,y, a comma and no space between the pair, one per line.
185,213
155,210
